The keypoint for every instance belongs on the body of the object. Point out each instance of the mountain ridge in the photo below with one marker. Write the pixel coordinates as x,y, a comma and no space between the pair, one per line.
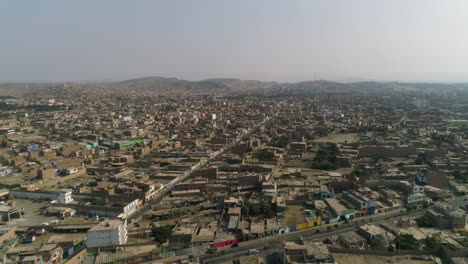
224,86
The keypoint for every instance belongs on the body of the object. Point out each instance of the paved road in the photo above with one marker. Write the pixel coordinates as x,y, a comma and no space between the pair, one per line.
275,242
142,210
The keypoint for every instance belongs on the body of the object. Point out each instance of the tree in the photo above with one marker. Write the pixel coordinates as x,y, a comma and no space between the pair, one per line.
433,242
279,142
411,207
162,233
323,165
460,176
406,242
326,157
257,209
264,154
424,221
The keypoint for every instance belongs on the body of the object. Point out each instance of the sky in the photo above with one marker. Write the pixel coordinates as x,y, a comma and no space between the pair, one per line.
270,40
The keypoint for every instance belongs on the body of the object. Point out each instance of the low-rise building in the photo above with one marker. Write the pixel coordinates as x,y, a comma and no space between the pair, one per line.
107,233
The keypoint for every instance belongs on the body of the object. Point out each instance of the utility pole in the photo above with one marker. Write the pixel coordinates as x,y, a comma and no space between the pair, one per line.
284,246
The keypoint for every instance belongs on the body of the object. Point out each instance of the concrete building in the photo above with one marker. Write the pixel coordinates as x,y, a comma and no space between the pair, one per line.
64,197
6,212
107,233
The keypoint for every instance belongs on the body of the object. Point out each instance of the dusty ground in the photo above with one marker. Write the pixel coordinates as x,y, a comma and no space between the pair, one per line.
294,215
338,138
369,259
32,214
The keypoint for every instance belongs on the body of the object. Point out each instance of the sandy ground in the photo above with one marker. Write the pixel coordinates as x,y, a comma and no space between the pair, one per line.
369,259
31,213
294,215
338,138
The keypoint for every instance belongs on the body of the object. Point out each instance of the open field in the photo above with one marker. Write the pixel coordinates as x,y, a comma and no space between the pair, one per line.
294,215
338,138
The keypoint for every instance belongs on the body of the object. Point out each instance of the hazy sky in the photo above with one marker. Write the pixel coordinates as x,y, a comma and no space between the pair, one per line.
290,40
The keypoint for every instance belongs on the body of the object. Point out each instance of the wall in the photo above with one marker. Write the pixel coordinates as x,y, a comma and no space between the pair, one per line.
34,195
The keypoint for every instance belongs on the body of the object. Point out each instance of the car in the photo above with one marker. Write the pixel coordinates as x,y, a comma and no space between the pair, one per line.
211,250
235,245
265,247
254,251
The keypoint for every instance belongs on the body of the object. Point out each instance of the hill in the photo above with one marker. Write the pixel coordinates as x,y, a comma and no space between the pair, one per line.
172,86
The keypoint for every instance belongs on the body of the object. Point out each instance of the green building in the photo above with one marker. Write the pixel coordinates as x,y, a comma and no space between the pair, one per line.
129,144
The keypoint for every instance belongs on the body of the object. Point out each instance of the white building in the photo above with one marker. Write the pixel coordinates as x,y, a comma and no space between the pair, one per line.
64,197
107,233
129,209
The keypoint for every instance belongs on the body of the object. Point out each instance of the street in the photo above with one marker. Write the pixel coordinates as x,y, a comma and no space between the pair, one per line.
275,242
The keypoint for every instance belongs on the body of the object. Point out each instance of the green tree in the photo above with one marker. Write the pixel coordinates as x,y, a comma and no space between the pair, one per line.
460,176
433,242
279,142
258,209
424,221
326,157
406,242
323,165
264,154
162,233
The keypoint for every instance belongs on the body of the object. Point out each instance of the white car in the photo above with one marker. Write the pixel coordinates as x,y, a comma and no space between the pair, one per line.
253,251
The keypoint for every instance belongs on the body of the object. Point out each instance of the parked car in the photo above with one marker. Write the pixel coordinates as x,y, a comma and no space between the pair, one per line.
211,250
253,251
28,239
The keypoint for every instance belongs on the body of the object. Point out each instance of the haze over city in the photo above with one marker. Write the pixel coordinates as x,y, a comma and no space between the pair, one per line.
284,41
234,132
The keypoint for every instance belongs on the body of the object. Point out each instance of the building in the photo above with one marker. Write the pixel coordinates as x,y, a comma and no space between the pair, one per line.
309,252
375,235
129,144
7,212
107,233
352,240
64,197
44,174
338,209
7,233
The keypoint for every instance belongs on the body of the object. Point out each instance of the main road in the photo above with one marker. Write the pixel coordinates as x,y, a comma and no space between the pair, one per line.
159,197
276,242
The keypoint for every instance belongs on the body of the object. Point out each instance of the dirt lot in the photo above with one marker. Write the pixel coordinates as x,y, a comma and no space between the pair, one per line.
338,138
294,215
32,214
369,259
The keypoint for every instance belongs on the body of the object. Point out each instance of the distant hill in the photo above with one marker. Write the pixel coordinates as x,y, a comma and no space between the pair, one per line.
174,86
20,89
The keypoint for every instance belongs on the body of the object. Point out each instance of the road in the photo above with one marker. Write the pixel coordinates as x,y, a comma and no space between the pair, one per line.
142,210
275,242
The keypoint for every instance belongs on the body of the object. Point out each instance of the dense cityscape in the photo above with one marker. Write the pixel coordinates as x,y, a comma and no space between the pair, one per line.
250,177
234,132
